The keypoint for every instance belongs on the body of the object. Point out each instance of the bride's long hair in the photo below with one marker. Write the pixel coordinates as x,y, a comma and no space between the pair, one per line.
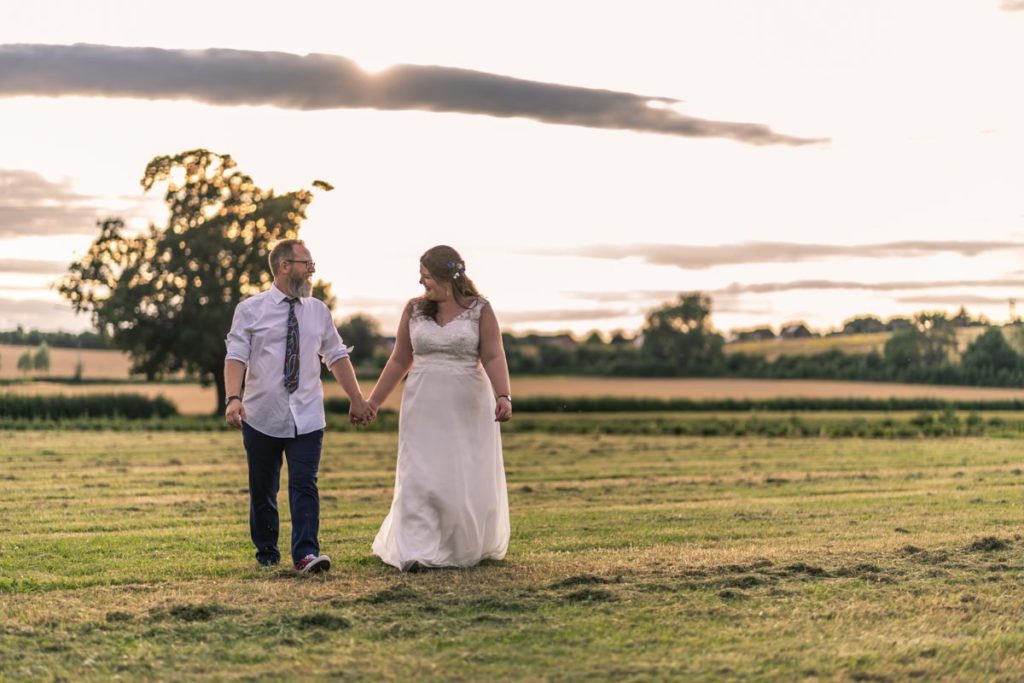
446,265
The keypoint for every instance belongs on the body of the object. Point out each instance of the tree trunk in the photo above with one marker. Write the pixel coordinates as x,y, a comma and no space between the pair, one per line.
218,380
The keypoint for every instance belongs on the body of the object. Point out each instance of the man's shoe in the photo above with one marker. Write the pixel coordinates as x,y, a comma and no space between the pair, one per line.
313,564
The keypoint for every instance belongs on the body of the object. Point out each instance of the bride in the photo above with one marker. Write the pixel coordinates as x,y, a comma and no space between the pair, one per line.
450,507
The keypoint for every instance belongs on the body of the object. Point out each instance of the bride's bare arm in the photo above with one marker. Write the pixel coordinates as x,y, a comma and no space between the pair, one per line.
398,364
492,357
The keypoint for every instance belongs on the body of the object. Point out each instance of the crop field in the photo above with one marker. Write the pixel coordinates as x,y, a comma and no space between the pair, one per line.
96,363
126,556
847,343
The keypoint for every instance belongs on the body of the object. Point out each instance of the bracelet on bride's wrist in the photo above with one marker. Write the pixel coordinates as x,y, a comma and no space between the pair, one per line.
507,397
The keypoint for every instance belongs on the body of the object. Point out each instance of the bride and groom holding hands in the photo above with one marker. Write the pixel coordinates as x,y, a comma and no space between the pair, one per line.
450,504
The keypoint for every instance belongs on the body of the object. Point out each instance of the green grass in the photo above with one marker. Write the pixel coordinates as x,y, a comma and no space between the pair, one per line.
126,554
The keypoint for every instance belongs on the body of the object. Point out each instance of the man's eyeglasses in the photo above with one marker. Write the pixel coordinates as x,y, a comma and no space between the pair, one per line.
310,265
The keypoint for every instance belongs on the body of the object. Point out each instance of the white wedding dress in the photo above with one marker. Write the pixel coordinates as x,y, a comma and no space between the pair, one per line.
450,507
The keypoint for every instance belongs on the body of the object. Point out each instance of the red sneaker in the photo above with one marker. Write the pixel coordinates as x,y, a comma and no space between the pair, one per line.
313,564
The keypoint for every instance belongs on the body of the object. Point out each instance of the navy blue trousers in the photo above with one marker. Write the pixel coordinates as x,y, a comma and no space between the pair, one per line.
264,455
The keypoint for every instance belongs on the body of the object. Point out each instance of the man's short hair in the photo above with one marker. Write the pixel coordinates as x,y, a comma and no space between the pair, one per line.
285,249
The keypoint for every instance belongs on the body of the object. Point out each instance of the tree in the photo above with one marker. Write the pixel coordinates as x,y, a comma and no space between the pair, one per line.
166,296
939,337
866,324
41,358
990,360
322,291
361,332
25,362
619,338
678,338
924,350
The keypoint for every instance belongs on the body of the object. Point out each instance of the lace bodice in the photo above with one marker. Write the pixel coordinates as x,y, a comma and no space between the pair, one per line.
454,344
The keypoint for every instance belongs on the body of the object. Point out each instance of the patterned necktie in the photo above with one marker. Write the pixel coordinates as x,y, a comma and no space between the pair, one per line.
291,350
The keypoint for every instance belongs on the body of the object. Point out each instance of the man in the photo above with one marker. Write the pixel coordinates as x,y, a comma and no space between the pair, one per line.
276,342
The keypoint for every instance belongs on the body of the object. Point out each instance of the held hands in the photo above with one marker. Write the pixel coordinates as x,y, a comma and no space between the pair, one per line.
234,414
503,409
362,412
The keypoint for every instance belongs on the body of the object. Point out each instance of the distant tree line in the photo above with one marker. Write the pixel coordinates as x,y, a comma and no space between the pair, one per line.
57,340
677,340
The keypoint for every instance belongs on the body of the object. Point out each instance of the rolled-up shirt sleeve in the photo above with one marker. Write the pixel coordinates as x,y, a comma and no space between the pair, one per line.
332,348
239,339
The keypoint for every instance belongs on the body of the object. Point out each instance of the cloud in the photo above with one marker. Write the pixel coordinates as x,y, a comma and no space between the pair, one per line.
33,205
770,287
1012,5
23,266
958,300
701,257
641,295
318,81
646,300
42,314
564,315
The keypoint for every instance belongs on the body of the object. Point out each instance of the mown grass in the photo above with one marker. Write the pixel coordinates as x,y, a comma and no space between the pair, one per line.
633,558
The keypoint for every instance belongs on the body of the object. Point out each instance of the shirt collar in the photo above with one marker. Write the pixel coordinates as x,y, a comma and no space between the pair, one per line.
277,296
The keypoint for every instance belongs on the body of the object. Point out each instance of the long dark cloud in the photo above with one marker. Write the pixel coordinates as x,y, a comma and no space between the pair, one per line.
700,257
317,81
771,287
33,205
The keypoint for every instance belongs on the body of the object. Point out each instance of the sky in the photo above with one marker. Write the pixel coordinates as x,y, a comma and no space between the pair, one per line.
798,160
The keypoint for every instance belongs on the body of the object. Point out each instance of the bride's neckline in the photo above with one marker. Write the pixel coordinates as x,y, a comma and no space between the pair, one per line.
461,313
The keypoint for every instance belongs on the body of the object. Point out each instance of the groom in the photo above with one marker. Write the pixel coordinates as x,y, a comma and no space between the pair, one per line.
276,342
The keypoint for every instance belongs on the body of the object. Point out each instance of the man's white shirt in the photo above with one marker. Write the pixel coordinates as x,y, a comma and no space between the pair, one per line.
257,338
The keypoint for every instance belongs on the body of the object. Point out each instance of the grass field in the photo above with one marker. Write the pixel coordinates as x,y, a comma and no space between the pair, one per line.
633,558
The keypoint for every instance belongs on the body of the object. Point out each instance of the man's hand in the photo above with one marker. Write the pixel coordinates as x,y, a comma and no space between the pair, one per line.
360,412
234,414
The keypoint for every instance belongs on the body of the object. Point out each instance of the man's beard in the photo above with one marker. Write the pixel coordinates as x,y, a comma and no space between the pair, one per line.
301,287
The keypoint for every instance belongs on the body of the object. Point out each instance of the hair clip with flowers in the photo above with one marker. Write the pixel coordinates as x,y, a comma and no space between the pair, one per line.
457,268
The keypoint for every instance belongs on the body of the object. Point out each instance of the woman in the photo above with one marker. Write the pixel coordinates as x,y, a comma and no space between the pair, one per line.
450,507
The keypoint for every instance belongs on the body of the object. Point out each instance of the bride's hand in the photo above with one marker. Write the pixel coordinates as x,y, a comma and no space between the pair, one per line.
503,409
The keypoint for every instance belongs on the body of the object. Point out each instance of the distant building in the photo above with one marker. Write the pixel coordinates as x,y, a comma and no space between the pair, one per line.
795,331
565,341
757,334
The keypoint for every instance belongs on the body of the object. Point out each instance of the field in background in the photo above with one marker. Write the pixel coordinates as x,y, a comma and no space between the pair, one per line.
195,400
96,363
632,557
99,364
847,343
